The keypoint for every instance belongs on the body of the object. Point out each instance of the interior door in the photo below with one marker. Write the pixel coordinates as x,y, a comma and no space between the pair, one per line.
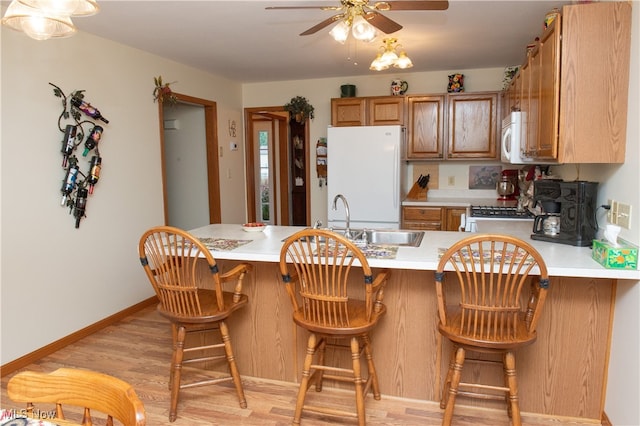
274,119
175,205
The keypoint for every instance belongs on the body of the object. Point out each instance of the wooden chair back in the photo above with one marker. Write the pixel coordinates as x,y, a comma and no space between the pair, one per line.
492,298
315,265
171,257
79,388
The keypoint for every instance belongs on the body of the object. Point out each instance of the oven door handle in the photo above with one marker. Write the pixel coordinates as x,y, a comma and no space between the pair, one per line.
463,222
467,224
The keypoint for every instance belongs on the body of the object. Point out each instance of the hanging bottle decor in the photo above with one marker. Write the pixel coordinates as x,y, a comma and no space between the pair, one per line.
94,172
80,205
76,186
92,139
69,181
68,143
86,107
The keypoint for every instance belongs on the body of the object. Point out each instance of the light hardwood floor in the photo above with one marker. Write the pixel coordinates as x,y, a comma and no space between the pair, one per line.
138,350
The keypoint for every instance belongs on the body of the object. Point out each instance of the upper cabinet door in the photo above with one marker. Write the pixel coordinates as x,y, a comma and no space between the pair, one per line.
368,111
386,111
594,82
473,125
426,127
549,95
348,112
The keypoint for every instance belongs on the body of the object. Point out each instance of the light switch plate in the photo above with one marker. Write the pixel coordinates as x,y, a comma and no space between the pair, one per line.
624,215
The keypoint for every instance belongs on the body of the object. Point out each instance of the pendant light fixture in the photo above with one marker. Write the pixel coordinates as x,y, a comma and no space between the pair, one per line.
388,56
45,19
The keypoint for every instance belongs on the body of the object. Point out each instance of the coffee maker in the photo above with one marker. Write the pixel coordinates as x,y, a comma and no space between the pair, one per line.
507,187
568,211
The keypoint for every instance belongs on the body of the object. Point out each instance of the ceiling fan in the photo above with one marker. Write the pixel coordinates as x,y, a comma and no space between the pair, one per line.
349,10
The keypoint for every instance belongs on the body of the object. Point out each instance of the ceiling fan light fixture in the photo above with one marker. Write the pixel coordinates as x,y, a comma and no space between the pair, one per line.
362,30
340,32
37,24
64,7
388,57
403,61
377,64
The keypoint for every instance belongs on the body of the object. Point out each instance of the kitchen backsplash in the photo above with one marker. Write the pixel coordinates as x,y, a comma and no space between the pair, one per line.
449,177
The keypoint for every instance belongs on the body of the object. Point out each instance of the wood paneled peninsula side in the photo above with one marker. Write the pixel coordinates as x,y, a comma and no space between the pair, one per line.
573,336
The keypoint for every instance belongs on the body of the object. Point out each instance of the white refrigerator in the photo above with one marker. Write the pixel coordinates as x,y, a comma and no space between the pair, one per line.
363,164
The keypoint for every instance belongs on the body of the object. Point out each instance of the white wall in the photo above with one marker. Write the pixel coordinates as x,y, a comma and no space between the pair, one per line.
57,279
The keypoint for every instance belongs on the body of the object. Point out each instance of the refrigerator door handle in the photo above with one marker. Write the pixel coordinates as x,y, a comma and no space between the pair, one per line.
396,176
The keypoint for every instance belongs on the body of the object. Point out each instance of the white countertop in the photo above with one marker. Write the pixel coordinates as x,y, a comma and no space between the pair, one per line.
562,260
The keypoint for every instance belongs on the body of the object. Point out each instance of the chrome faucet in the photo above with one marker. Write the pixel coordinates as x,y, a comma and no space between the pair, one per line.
347,232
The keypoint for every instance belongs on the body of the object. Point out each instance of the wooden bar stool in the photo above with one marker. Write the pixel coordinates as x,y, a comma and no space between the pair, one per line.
486,306
315,266
86,389
170,258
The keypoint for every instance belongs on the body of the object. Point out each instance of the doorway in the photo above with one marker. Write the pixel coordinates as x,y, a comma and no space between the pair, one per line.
272,195
189,160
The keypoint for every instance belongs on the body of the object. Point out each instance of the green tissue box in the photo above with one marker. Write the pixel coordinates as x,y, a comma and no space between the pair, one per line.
625,256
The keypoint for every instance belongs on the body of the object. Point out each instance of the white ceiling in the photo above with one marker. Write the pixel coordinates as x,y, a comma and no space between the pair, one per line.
242,41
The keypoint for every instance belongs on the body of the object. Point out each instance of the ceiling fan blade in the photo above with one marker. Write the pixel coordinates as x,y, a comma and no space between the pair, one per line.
303,7
412,5
382,23
323,24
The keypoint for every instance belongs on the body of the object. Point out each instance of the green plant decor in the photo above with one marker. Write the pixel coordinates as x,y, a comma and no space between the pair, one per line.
300,109
162,92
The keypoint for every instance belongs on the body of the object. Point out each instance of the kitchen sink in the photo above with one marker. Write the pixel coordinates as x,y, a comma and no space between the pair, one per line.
394,237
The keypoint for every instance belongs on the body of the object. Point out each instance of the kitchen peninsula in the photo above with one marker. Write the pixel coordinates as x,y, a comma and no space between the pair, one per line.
562,374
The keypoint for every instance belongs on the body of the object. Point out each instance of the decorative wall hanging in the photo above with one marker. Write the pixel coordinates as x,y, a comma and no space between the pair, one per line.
76,185
456,83
299,108
162,92
509,73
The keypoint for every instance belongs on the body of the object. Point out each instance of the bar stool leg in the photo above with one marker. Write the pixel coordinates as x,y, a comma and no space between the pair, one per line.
444,397
357,378
453,389
510,375
319,375
233,368
174,337
176,364
304,383
372,369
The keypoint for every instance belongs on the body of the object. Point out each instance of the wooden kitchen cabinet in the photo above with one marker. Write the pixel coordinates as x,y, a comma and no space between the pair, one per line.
453,218
425,133
453,126
512,97
423,218
432,218
368,111
473,125
575,90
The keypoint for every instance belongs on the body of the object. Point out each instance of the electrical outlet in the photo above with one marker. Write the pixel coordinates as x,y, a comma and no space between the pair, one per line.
624,215
452,181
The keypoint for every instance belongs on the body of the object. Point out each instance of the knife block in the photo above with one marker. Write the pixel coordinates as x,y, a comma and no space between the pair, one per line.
417,193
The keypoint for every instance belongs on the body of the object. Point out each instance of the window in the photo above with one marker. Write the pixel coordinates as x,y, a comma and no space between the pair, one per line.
265,206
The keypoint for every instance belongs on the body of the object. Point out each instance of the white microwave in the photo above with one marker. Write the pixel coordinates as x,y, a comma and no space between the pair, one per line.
512,139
